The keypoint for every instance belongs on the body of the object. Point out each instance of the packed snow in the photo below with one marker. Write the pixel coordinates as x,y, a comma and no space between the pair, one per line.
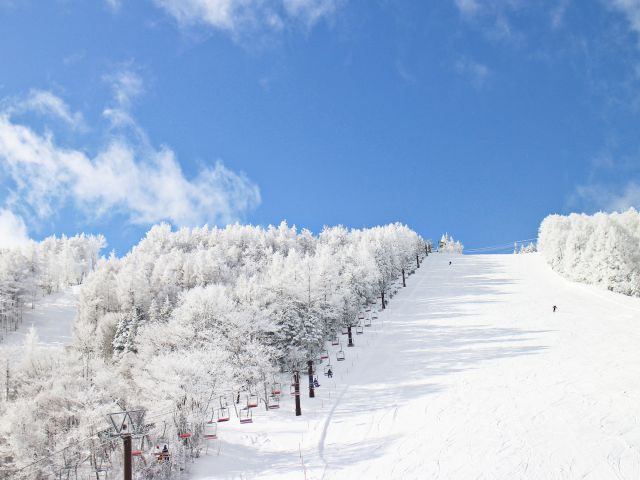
468,374
52,319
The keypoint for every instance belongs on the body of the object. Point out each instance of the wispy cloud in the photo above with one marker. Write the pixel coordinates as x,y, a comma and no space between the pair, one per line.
114,5
630,9
13,231
240,16
127,175
477,72
607,197
46,103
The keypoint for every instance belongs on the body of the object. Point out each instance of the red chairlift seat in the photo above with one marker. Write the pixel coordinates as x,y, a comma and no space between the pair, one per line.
210,430
223,414
324,355
245,416
274,402
252,401
136,453
185,435
276,389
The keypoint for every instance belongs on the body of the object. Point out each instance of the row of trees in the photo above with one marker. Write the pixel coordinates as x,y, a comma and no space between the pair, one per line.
42,268
193,314
601,249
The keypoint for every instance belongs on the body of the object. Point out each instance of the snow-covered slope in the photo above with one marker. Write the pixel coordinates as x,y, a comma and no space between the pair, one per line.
468,374
52,318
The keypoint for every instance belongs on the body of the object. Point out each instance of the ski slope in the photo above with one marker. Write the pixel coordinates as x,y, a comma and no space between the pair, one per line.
52,317
468,375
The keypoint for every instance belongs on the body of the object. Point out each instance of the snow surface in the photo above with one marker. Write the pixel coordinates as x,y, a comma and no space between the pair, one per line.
52,318
468,374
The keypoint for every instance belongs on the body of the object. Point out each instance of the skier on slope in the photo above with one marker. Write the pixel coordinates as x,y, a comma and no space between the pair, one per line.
554,309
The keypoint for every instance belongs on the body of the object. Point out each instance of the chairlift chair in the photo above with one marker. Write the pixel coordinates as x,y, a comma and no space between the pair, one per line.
274,402
345,330
161,450
326,369
210,430
252,400
359,329
340,355
324,354
276,388
367,322
245,416
223,414
223,402
335,341
360,315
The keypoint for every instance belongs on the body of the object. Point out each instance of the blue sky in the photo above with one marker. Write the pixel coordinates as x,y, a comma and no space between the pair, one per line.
474,117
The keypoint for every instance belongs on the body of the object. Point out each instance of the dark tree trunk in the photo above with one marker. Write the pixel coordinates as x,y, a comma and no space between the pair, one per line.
404,280
312,392
296,384
418,260
350,344
382,297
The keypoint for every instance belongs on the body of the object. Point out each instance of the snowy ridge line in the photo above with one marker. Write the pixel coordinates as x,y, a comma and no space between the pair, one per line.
498,247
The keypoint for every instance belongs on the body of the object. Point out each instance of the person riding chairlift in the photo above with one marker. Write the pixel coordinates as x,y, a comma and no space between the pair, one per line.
315,382
329,373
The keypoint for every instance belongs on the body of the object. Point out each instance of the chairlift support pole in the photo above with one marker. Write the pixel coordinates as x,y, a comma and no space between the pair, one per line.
128,464
312,392
296,384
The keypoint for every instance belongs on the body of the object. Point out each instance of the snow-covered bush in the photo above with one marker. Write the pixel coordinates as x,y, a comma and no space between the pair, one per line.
449,245
601,249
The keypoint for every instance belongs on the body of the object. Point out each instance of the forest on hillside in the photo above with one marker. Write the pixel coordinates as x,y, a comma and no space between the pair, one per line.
190,315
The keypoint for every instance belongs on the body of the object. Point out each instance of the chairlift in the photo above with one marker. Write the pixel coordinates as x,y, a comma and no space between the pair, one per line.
252,400
360,315
161,450
335,340
223,402
210,430
276,388
340,355
326,369
324,354
374,316
359,329
245,416
367,322
345,330
274,402
223,414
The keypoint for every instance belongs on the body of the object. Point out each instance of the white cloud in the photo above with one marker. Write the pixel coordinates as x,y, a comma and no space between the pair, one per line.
477,72
114,5
126,86
468,7
127,175
236,16
13,231
46,103
608,197
630,9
